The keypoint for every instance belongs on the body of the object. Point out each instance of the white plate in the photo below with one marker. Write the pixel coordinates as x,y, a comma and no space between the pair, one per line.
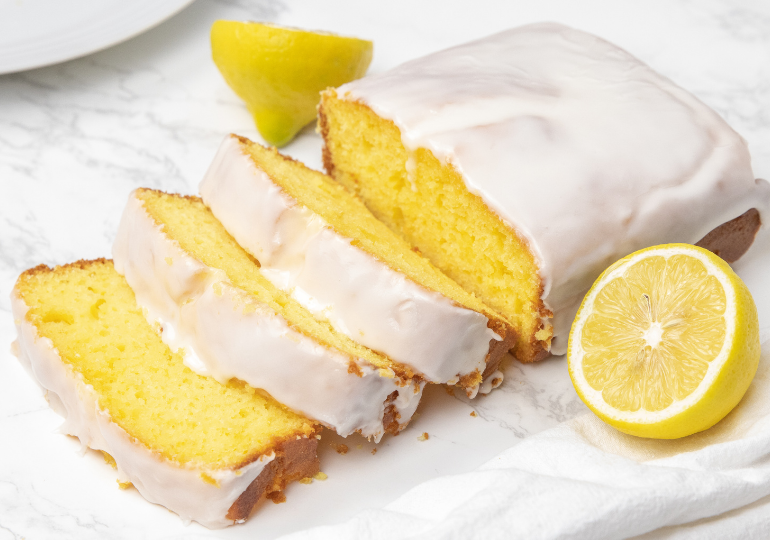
36,33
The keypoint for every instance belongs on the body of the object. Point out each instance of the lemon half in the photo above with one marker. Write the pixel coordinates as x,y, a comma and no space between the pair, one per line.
665,343
279,72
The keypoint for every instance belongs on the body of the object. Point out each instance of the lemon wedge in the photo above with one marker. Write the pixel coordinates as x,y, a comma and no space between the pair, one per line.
665,343
279,72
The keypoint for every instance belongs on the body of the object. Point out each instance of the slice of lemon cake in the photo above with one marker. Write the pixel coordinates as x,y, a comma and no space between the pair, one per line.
524,163
212,299
207,451
314,238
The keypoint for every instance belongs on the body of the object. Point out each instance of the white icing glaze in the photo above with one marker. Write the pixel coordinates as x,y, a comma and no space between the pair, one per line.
180,488
227,333
361,296
587,152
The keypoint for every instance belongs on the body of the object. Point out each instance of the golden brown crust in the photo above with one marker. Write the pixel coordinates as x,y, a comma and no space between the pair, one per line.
469,380
323,129
354,369
81,264
392,416
294,459
193,198
497,349
732,239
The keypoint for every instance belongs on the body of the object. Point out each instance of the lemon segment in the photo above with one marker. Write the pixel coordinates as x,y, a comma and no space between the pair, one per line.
665,343
279,72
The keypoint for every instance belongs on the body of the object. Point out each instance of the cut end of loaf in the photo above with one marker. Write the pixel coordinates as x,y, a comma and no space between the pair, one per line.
430,207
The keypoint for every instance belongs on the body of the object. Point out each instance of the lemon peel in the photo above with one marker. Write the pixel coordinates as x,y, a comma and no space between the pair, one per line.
279,72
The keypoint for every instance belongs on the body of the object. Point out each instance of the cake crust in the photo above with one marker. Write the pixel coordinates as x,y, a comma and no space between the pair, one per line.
295,459
732,240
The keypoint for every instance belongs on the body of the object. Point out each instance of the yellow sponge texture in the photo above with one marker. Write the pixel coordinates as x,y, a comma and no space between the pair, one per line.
90,314
432,209
347,215
192,225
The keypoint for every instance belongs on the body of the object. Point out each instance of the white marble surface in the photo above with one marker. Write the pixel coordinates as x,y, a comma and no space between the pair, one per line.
76,138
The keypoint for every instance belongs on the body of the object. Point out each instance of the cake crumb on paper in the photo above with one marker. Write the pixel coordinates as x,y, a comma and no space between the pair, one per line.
423,437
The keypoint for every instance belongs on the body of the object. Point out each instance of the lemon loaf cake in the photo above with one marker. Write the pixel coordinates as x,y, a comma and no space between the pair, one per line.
207,451
314,238
524,163
213,301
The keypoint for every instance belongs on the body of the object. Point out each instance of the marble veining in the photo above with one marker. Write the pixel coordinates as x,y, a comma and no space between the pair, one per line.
77,138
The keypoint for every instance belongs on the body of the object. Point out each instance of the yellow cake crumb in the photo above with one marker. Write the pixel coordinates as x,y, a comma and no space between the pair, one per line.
341,448
109,460
473,413
423,437
90,314
191,422
191,224
348,216
429,205
209,479
306,480
320,476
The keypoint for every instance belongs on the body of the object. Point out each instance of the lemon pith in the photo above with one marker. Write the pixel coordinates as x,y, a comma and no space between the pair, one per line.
279,72
666,342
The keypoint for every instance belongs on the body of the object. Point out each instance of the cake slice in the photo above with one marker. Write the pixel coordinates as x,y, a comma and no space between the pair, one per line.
212,299
315,239
524,163
207,451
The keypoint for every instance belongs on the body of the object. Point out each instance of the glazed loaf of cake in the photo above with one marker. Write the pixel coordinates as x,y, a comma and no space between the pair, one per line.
524,163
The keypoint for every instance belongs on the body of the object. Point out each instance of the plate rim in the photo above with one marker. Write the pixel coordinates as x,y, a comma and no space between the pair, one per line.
173,7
